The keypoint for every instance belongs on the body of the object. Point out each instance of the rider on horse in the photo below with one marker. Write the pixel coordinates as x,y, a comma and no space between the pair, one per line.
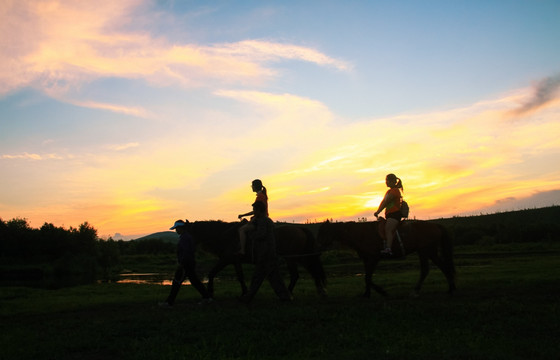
392,204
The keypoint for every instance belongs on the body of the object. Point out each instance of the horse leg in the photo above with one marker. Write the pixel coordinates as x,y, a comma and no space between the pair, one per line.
424,270
448,275
212,274
222,263
369,273
320,278
294,274
240,277
369,265
376,287
314,267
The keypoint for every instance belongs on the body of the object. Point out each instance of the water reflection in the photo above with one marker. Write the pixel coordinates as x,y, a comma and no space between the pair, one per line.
150,279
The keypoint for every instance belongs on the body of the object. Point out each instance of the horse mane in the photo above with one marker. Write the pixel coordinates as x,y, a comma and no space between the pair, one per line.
210,222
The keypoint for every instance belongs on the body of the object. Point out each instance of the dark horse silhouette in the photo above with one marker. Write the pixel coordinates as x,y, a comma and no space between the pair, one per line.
423,237
295,244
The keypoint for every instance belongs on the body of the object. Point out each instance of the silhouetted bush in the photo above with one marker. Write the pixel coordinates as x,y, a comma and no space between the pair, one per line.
50,256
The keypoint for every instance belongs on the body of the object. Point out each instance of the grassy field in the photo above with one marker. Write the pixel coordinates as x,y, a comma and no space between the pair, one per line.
506,307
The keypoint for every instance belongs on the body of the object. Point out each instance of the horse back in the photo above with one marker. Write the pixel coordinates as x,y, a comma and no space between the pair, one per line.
294,240
421,234
423,230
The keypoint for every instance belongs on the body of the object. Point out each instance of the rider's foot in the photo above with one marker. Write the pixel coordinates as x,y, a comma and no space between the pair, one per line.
386,252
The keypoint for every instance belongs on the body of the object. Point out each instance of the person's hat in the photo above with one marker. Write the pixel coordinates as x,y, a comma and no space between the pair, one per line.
177,224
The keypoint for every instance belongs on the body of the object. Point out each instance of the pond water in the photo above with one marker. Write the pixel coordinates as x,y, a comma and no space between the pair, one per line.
150,278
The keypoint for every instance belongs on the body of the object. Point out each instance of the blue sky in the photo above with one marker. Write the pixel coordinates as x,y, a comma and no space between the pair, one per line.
131,114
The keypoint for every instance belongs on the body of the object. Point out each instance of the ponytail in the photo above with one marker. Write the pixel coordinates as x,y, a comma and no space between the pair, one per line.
399,184
264,192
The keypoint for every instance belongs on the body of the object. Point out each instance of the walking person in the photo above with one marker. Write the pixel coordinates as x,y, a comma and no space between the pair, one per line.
186,267
391,202
262,197
266,259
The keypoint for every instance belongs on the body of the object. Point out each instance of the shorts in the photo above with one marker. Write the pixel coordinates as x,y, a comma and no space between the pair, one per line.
394,215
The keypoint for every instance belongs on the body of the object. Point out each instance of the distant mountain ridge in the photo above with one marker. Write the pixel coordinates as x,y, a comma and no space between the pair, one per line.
167,236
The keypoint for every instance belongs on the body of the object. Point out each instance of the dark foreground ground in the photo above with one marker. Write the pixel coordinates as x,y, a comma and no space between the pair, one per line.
506,307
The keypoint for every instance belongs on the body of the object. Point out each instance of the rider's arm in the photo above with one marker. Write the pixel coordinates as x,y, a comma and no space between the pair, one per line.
386,200
250,213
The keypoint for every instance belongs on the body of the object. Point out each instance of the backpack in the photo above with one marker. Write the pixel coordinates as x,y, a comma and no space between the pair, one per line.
404,209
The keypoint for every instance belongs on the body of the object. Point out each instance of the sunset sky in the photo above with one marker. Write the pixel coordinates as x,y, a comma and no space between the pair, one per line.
131,114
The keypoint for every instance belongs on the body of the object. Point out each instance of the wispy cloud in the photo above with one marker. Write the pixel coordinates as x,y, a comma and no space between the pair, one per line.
80,42
543,93
32,156
121,147
262,50
128,110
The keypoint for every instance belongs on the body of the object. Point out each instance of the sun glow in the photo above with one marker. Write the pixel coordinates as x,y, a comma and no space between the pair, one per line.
130,114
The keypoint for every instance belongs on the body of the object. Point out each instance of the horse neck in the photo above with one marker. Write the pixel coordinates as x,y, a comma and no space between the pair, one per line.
217,236
208,233
363,237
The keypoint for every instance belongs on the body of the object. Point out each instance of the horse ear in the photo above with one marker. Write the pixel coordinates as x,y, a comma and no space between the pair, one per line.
186,221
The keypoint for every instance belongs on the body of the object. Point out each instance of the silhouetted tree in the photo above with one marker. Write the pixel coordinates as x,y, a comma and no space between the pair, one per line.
108,257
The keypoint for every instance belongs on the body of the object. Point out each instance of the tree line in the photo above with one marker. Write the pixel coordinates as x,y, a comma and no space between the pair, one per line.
54,256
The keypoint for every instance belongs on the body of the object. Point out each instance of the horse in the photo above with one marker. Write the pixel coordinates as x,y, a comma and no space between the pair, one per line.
295,244
430,240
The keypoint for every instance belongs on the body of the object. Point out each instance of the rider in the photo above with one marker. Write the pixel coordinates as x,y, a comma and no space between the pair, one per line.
392,205
258,188
266,258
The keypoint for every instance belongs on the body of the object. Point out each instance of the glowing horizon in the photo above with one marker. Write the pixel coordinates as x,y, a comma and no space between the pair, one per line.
128,120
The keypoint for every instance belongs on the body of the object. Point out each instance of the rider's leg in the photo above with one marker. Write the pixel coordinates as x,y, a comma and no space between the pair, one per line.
243,236
390,227
242,239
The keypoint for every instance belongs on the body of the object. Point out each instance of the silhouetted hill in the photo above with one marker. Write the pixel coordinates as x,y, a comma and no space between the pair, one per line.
166,236
543,215
530,225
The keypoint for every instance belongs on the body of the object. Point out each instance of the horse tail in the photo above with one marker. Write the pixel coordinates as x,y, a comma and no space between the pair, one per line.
314,264
447,252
